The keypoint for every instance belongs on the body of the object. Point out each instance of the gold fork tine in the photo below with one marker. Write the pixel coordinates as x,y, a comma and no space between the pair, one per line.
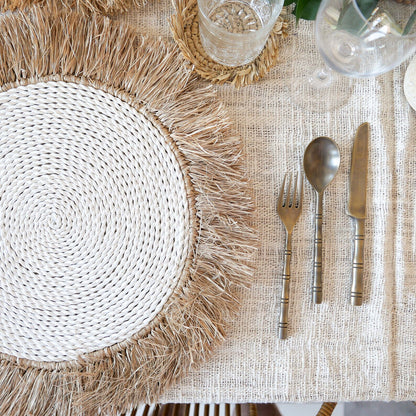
301,192
282,192
298,190
289,192
295,190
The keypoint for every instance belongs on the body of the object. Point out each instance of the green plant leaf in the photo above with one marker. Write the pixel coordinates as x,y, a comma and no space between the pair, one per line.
367,7
350,20
288,2
409,24
306,9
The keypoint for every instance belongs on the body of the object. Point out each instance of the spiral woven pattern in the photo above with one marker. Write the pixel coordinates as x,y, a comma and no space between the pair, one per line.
125,216
94,220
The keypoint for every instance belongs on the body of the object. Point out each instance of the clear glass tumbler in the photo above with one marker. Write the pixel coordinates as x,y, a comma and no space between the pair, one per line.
234,32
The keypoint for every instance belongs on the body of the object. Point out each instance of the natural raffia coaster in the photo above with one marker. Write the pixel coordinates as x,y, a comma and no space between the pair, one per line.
185,30
124,217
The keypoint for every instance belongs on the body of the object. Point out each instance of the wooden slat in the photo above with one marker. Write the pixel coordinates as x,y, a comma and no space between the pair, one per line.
326,409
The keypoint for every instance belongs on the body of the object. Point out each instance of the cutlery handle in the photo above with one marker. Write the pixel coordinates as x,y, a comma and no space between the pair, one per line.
356,297
284,299
317,251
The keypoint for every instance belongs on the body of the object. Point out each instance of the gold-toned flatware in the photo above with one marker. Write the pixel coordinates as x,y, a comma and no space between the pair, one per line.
320,162
357,208
289,207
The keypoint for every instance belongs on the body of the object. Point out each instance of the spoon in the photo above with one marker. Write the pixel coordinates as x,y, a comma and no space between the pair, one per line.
320,163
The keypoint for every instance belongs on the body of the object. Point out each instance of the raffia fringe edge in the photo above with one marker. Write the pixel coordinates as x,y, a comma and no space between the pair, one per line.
105,7
48,43
184,29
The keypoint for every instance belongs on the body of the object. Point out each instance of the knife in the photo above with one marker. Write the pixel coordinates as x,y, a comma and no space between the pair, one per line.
357,208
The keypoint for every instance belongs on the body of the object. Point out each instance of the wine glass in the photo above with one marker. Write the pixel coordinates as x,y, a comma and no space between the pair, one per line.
357,38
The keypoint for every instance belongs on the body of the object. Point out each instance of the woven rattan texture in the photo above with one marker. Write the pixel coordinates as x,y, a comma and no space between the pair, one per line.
95,220
185,31
125,216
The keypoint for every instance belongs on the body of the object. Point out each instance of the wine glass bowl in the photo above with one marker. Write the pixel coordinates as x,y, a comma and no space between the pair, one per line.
357,38
360,42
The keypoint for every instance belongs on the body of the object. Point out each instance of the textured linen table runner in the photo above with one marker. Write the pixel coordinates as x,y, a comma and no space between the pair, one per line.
335,352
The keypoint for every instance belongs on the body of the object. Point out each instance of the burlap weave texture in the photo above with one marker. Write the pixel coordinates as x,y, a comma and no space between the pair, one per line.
335,352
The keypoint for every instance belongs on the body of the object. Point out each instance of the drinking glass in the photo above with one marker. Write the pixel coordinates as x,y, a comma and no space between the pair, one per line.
362,43
234,32
357,39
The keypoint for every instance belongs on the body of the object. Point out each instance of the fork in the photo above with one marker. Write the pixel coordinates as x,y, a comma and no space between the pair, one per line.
289,207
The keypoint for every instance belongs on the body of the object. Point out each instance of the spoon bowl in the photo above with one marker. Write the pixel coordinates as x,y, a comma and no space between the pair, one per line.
320,163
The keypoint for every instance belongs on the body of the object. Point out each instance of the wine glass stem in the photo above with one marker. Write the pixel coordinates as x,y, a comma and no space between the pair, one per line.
322,77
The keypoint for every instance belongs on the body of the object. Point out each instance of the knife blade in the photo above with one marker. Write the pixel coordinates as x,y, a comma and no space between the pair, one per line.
357,206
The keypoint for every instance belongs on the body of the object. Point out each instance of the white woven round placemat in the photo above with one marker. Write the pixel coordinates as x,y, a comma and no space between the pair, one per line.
94,220
125,216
